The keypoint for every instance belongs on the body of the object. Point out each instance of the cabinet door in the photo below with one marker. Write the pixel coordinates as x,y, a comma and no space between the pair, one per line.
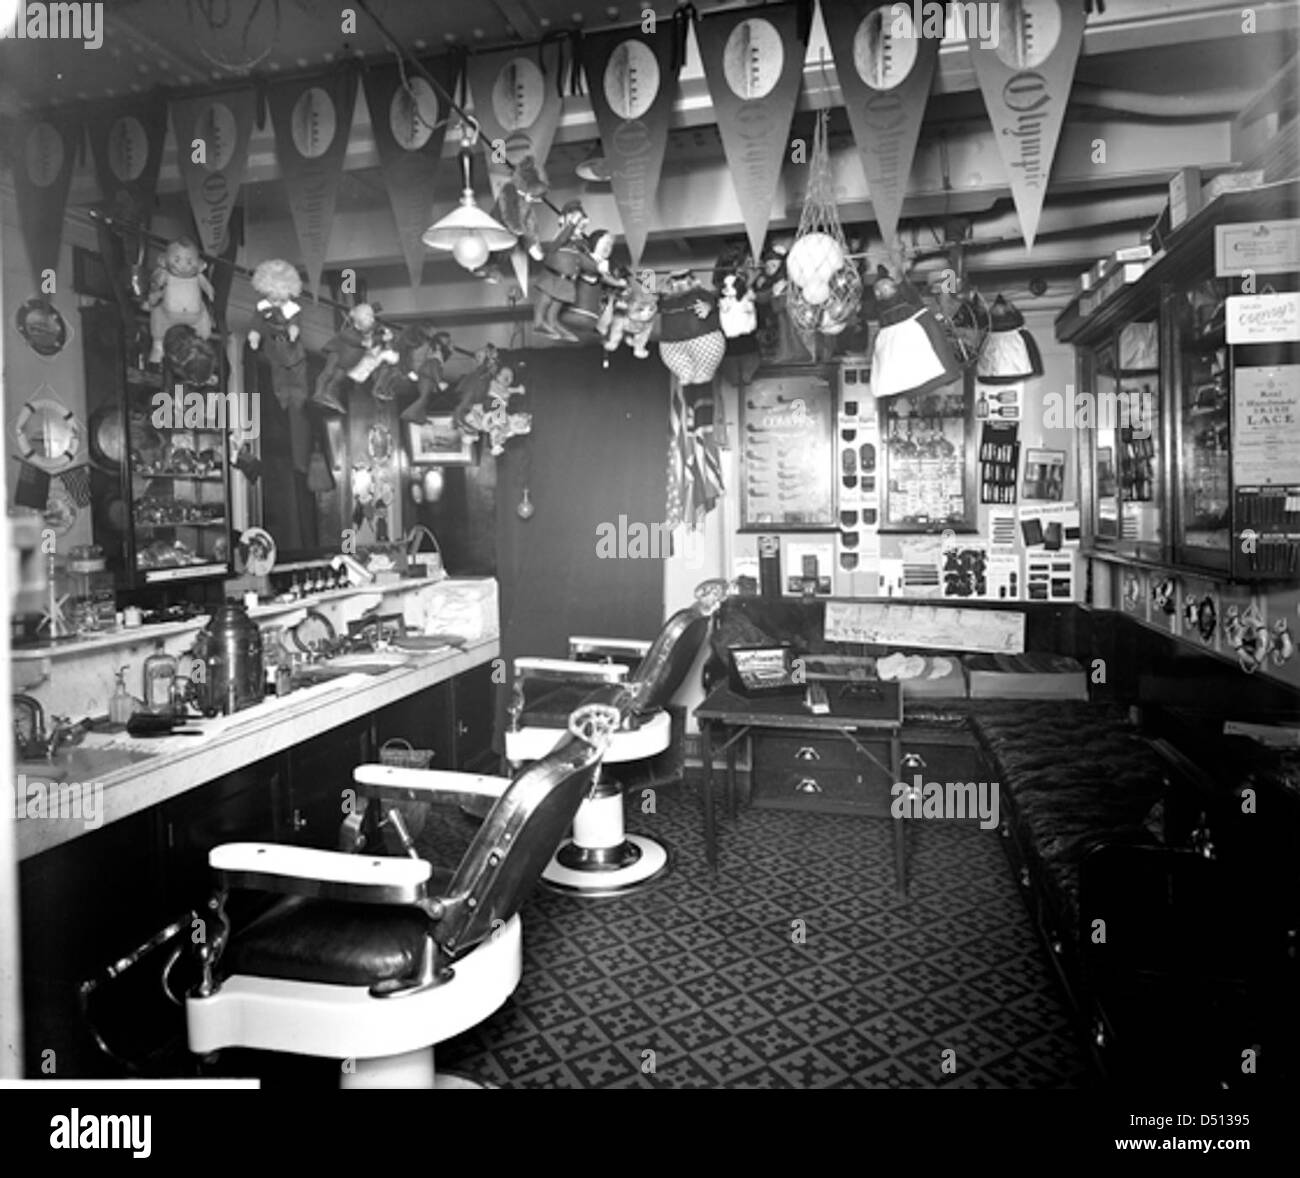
319,771
475,710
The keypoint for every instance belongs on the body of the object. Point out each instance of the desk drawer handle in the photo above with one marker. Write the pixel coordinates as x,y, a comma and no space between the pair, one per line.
807,785
807,753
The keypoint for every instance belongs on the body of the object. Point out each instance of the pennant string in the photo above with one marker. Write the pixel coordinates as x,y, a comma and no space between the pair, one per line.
683,18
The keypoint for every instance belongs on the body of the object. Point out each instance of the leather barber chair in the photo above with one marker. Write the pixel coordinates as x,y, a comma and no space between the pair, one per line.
601,858
363,960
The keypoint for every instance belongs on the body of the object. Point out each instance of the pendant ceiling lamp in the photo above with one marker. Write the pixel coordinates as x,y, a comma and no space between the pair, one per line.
1010,353
467,231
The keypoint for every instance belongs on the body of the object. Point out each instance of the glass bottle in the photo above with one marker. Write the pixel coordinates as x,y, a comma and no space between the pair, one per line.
120,703
159,671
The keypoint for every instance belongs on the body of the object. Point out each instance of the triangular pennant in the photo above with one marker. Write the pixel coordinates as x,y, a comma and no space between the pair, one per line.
409,121
753,61
632,80
517,104
126,140
212,132
1025,75
43,151
885,68
312,118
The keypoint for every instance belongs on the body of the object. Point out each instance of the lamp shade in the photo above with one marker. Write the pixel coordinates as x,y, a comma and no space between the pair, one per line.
1010,353
467,219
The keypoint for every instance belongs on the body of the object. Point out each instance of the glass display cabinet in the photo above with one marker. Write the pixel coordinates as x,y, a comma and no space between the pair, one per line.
928,454
177,463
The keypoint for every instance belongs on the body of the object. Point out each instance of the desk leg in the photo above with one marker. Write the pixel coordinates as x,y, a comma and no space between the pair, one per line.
731,776
710,834
900,824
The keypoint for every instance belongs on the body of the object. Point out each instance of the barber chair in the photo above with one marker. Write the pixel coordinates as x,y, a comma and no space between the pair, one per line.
601,858
363,960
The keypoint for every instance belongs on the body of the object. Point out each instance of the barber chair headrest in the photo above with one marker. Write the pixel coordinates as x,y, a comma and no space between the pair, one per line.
670,657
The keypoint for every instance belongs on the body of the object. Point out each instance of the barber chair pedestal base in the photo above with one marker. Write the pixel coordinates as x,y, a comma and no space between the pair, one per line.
601,859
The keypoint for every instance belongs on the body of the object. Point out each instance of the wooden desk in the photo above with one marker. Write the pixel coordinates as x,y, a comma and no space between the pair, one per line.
845,762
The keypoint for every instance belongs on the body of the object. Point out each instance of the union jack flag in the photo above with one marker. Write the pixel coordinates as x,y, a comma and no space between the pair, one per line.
694,466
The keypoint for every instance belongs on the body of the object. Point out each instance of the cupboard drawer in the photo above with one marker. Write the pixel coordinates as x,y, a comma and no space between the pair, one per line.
850,790
809,751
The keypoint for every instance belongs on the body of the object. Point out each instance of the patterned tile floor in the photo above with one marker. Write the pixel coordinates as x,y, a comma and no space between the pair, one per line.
800,967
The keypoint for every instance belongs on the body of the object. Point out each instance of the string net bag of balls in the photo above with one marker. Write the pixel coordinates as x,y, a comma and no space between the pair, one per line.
825,283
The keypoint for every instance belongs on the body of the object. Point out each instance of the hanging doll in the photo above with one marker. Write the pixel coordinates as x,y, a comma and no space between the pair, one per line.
472,388
629,315
360,346
516,204
691,343
494,419
562,258
597,281
737,314
178,294
424,368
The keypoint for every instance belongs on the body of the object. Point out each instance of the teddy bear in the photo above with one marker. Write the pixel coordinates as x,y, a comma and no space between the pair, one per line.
562,259
629,316
178,294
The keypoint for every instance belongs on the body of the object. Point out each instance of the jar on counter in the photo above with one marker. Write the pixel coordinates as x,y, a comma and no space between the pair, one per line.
92,605
159,674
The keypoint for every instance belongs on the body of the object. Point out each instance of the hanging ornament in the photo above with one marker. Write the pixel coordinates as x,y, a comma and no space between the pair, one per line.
691,343
911,353
825,286
525,508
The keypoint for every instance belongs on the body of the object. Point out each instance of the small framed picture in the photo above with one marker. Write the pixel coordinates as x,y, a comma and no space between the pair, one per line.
438,441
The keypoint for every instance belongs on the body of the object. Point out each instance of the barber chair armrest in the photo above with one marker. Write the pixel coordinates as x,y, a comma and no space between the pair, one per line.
331,875
569,670
388,783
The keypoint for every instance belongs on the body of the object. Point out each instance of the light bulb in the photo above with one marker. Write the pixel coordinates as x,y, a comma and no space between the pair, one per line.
470,250
525,509
432,485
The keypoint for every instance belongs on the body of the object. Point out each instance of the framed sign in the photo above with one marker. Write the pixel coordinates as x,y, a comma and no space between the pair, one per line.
1263,318
1266,426
1259,247
437,440
787,423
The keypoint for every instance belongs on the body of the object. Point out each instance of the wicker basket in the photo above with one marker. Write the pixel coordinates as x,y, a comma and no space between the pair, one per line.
401,754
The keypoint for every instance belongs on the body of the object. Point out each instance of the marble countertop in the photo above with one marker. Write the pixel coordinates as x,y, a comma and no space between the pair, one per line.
181,763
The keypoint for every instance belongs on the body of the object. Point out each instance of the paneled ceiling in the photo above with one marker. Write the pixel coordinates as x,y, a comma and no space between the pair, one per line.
1159,81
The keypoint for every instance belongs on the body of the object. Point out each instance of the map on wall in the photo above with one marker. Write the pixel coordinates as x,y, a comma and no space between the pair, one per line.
934,627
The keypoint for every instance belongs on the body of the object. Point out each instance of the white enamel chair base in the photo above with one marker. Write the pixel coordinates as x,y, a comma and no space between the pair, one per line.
387,1041
652,862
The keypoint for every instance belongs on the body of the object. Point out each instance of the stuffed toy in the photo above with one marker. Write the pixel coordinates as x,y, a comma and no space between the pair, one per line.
425,368
516,204
495,419
737,312
629,316
360,346
562,259
472,388
597,280
280,285
188,358
178,293
691,343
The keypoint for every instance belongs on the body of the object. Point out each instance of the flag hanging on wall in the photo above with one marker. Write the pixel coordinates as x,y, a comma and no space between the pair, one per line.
43,152
1026,78
516,98
409,124
212,133
312,118
632,80
885,67
753,62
